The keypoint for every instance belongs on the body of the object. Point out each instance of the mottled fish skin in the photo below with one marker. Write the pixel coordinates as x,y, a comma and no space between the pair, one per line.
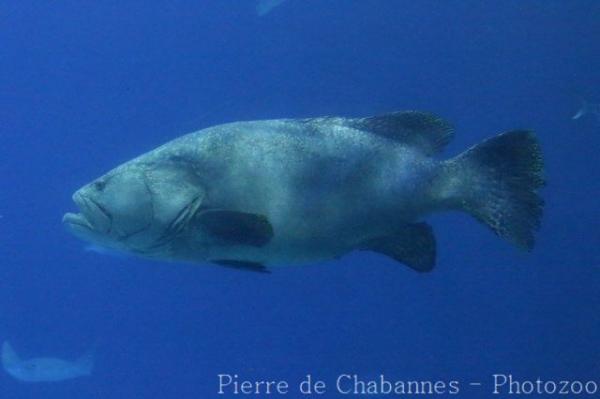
286,191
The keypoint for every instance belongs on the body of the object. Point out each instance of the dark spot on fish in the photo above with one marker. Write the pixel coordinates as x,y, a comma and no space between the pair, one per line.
99,185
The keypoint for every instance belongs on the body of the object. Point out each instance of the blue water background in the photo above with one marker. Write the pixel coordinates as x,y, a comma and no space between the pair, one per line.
85,86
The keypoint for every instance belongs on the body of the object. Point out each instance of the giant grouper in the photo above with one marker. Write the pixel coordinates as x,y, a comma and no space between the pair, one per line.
256,194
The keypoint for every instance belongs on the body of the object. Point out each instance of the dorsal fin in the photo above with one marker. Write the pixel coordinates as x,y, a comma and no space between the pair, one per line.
422,130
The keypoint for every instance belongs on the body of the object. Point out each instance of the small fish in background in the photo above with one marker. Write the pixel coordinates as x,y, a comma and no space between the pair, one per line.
588,108
263,7
45,369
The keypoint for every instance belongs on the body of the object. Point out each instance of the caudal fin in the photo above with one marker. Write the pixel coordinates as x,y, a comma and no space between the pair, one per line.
582,111
497,182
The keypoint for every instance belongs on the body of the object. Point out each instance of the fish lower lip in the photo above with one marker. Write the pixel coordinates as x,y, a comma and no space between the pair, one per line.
77,219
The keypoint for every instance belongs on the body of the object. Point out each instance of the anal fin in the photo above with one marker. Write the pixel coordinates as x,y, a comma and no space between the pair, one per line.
413,245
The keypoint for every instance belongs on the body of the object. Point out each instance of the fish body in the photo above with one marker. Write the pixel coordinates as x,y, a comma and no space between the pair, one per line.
44,369
279,192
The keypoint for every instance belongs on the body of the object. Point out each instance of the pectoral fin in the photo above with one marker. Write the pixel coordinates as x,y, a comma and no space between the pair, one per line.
242,265
413,245
236,228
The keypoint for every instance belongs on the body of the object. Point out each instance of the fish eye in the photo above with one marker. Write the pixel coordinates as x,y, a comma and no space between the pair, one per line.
99,185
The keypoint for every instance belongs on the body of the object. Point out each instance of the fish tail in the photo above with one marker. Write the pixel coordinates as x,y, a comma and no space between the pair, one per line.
582,111
497,182
9,356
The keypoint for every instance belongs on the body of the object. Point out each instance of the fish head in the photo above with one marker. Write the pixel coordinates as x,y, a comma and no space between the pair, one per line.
139,207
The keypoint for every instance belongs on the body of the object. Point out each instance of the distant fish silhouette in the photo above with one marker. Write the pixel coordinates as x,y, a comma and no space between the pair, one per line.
44,369
588,108
263,7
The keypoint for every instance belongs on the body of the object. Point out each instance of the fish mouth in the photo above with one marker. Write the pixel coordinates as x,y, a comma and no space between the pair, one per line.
93,216
77,219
